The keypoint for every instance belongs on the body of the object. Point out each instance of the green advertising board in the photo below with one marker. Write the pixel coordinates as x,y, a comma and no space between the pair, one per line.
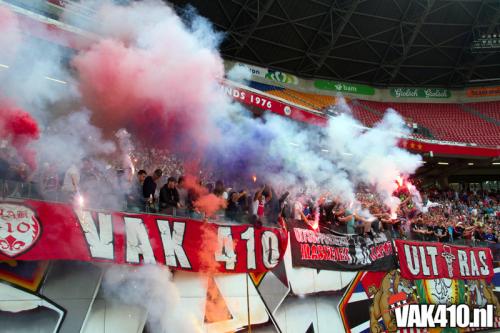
344,87
420,92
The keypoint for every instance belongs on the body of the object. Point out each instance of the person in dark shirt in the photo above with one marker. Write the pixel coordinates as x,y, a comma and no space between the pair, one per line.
169,197
477,234
135,198
489,236
4,169
415,229
183,196
285,209
326,215
149,189
243,202
458,231
272,207
234,211
441,232
429,232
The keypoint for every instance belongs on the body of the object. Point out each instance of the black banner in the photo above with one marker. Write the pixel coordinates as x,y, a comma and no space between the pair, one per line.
332,251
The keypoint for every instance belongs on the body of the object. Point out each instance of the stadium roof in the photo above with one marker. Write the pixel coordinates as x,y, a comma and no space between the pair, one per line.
380,42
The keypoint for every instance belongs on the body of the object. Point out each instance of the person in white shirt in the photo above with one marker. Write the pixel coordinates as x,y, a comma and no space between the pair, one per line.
71,182
298,210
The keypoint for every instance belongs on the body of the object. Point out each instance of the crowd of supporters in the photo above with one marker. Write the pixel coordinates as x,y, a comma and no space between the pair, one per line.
443,215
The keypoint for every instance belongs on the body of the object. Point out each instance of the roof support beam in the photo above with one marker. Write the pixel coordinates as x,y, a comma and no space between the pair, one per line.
260,15
495,19
390,46
416,30
336,34
468,39
324,20
234,20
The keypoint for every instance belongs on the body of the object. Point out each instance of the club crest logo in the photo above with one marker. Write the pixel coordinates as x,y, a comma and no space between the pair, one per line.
19,229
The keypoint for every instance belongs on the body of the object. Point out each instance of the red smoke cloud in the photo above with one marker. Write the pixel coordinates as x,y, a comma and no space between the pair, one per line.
209,204
159,96
20,129
209,244
205,202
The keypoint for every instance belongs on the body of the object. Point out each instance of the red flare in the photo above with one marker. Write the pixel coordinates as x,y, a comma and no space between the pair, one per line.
399,181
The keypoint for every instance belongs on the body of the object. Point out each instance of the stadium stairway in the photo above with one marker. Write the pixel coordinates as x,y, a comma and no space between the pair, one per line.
447,122
489,109
365,114
472,109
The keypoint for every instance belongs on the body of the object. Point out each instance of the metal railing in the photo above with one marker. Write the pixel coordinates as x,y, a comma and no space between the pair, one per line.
15,190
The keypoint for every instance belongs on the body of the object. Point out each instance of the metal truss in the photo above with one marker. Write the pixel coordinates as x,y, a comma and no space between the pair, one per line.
329,39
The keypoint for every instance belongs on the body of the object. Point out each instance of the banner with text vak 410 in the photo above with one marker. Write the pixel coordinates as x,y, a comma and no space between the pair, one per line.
339,252
35,230
420,260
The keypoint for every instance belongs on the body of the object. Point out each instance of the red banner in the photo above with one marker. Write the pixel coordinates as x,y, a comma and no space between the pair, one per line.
419,260
267,102
449,149
35,230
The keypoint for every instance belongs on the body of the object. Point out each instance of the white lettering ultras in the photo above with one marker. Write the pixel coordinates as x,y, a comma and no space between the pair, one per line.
462,263
411,254
484,267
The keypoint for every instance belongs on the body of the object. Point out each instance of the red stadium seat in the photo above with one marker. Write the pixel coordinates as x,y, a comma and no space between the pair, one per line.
450,122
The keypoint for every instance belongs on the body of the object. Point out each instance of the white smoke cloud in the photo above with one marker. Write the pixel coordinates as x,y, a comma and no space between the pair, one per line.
337,159
150,287
10,36
70,138
372,156
238,73
39,81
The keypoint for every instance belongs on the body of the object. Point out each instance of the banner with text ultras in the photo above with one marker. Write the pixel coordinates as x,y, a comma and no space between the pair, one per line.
420,93
339,252
419,260
35,230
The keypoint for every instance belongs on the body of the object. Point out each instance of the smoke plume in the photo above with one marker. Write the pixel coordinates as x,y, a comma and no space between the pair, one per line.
10,34
19,130
150,287
153,75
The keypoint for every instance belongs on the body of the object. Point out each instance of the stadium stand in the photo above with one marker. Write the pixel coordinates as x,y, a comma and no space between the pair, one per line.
448,122
312,101
488,109
366,116
476,123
